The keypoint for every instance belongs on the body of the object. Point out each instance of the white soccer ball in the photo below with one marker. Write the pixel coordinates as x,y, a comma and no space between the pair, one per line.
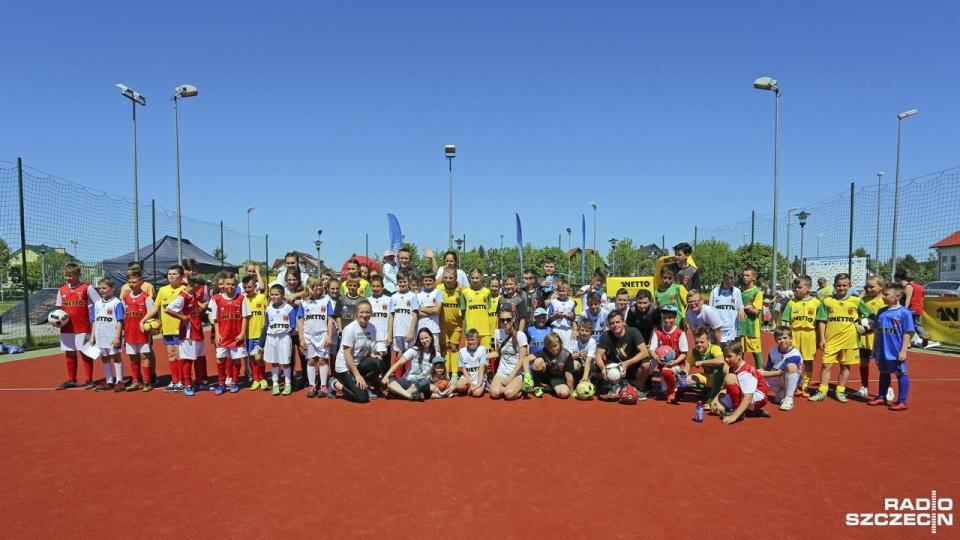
613,372
864,325
58,318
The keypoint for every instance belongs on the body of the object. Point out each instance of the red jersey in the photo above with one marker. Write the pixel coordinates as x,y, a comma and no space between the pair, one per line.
671,338
916,301
228,315
77,302
752,382
193,328
134,309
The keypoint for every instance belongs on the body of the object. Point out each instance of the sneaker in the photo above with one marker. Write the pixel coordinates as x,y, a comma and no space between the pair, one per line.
416,396
188,391
147,387
117,388
614,390
898,406
287,390
66,385
371,394
104,386
255,385
89,385
178,387
170,388
819,396
641,396
786,404
234,388
757,414
890,395
276,389
527,383
672,398
863,392
312,392
330,392
802,392
134,386
200,387
220,390
841,397
877,402
538,392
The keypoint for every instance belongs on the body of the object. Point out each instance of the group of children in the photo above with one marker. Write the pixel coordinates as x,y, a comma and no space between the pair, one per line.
518,340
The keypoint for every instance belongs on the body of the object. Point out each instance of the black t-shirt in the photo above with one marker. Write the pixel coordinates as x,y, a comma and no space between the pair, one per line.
516,305
645,322
620,349
532,301
556,364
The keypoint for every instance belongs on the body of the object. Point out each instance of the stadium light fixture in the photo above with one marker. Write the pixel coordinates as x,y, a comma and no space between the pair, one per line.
766,83
182,91
450,152
896,194
136,98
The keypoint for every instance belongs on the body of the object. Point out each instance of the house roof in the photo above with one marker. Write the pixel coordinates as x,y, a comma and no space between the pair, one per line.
952,240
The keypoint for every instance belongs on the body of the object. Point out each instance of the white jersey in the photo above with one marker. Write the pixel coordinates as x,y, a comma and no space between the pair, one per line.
598,323
281,320
402,306
586,289
707,317
471,362
316,312
428,300
107,314
360,341
381,310
562,306
509,356
418,368
590,348
728,303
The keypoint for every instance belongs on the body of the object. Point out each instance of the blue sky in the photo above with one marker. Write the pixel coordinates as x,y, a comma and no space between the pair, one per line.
340,111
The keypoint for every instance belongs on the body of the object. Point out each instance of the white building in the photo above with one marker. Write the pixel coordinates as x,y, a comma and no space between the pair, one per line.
949,251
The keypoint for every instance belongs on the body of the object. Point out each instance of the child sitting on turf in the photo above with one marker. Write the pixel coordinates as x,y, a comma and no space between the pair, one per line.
670,335
586,351
894,328
745,390
782,371
440,386
473,362
552,367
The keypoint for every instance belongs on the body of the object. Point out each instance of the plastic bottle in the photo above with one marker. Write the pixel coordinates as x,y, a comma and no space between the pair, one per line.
683,380
699,417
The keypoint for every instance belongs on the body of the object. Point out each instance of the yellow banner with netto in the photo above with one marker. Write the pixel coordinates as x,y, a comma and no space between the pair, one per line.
941,319
631,284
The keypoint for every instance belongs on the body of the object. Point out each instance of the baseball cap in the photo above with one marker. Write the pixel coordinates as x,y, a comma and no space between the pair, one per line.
438,360
539,311
388,253
669,308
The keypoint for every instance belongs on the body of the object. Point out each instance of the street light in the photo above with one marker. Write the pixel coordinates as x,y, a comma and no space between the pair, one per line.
249,251
876,254
134,98
43,266
896,195
459,242
450,151
802,218
819,236
502,256
569,258
75,242
182,91
317,243
613,263
789,213
594,206
766,83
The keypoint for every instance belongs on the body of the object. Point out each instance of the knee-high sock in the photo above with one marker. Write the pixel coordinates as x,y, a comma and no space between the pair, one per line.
792,379
185,366
87,367
221,372
884,385
312,375
733,391
72,368
275,373
118,371
904,383
865,374
135,371
669,378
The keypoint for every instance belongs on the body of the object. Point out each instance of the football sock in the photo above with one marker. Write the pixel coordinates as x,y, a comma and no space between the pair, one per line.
324,373
312,375
135,371
791,379
840,390
733,391
200,369
668,377
147,373
107,370
221,372
865,374
806,380
884,385
174,371
72,368
275,372
288,374
87,368
185,366
904,382
118,371
758,360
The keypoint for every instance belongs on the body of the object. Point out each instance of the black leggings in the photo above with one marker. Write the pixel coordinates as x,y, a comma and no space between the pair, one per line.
370,369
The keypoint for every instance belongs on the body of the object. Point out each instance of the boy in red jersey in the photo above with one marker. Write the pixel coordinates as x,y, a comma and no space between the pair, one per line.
202,293
76,299
187,309
230,315
745,390
671,335
136,304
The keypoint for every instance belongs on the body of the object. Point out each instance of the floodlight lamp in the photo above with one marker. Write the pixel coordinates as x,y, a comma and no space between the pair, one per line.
132,94
802,217
766,83
450,150
184,90
903,115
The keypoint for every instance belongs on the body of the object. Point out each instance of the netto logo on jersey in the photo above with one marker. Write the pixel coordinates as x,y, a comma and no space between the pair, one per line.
933,512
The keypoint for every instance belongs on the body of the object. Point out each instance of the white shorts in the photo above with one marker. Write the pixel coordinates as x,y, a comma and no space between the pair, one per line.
139,348
380,346
191,349
315,348
401,344
238,352
74,342
109,351
277,350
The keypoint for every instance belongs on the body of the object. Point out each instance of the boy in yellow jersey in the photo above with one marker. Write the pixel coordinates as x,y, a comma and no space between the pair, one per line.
800,314
708,357
838,336
258,304
753,308
874,299
476,309
170,326
145,286
451,321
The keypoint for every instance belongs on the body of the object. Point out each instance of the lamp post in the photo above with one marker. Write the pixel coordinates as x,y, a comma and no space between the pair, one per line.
789,223
896,195
766,83
317,243
135,98
249,251
569,258
502,256
802,218
876,254
594,206
459,242
43,266
182,91
450,151
613,262
74,241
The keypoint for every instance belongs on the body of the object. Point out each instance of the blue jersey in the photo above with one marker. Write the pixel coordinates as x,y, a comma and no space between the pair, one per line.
777,360
889,330
536,336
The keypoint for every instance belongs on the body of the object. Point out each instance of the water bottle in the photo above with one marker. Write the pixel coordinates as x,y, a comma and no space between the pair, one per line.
20,343
683,380
699,417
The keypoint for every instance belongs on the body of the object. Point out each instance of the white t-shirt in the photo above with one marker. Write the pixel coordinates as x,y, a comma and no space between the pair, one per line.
402,306
590,347
562,306
509,357
598,323
315,313
107,315
418,368
462,278
381,311
359,340
429,300
708,317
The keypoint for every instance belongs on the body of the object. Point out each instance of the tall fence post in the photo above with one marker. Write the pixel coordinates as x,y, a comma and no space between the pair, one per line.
696,231
223,255
23,254
850,247
153,229
753,229
266,253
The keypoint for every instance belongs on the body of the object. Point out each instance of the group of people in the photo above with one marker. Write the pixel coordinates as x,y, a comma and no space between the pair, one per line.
417,335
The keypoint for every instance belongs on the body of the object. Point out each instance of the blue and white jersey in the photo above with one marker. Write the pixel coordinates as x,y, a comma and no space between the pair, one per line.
598,322
536,336
561,306
889,331
590,348
281,320
402,306
428,300
107,314
316,312
728,303
777,360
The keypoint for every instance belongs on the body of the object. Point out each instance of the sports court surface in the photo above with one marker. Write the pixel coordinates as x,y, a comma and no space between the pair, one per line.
81,464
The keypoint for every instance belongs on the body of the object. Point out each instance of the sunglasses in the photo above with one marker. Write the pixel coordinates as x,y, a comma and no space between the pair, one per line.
510,319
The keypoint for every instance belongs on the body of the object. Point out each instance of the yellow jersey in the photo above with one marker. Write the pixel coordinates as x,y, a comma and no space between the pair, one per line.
493,314
258,305
839,314
170,326
801,315
875,304
477,310
451,314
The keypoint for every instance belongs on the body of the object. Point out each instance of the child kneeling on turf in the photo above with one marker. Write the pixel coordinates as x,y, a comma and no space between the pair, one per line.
782,371
745,391
473,362
894,328
552,366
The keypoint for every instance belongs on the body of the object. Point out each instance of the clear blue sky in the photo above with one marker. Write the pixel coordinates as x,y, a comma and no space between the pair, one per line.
550,104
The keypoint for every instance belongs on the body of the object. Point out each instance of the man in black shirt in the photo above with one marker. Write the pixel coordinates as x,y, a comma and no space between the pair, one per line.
644,315
623,345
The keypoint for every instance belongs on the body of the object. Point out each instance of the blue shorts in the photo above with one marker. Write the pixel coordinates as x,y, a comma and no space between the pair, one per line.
251,344
171,340
895,367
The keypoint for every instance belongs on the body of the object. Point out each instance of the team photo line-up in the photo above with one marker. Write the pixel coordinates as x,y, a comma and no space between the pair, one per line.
408,334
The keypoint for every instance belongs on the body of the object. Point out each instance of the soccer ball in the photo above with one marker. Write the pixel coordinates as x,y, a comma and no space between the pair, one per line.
864,325
613,373
629,395
585,390
151,327
58,318
666,353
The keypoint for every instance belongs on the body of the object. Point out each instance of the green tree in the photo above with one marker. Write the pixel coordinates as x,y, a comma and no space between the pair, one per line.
219,255
760,256
4,253
713,257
